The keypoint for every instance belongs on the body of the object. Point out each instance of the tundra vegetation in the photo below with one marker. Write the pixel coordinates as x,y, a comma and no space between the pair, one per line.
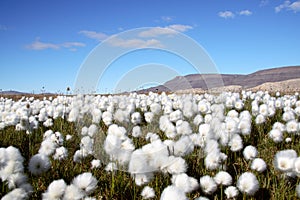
151,146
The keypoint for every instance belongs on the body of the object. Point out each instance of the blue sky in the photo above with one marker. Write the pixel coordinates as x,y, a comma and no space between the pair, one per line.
45,43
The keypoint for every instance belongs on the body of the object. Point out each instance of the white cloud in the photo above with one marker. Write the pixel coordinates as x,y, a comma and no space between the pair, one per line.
263,3
139,40
38,45
180,27
167,18
245,12
168,30
72,44
288,5
94,35
133,43
226,14
295,6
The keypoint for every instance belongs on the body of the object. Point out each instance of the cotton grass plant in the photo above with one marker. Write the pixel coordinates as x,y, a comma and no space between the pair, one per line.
155,146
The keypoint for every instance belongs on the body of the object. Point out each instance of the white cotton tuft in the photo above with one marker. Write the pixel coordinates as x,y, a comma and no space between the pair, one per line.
175,116
174,193
84,131
86,182
236,143
183,146
223,178
176,165
296,168
184,182
136,118
47,147
55,190
198,120
95,164
248,183
213,160
138,163
231,192
258,165
18,193
148,193
204,131
284,160
136,131
149,117
250,152
292,126
276,135
61,153
72,192
39,164
155,108
143,178
260,119
207,184
93,129
183,127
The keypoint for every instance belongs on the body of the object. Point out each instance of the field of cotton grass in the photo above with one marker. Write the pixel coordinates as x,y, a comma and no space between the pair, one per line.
155,146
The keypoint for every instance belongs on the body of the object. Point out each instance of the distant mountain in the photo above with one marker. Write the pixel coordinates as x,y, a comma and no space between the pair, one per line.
208,81
12,92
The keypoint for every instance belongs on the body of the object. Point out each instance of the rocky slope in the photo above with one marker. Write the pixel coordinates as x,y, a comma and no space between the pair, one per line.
234,82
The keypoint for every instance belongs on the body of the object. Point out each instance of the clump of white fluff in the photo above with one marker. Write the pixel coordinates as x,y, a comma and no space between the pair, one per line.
248,183
174,193
184,182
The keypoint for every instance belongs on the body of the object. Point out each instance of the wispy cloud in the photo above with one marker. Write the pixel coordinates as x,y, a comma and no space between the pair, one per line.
167,18
180,27
263,3
143,39
3,28
230,15
245,12
295,6
94,35
167,30
226,14
38,45
288,5
134,43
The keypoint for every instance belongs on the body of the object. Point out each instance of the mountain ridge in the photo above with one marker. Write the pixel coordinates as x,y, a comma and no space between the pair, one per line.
245,81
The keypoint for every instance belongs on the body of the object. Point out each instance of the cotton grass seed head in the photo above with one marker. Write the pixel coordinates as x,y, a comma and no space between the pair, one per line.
248,183
250,152
184,182
284,160
72,192
223,178
258,165
236,143
39,164
148,193
207,184
231,192
86,182
18,193
276,135
174,193
55,190
296,168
